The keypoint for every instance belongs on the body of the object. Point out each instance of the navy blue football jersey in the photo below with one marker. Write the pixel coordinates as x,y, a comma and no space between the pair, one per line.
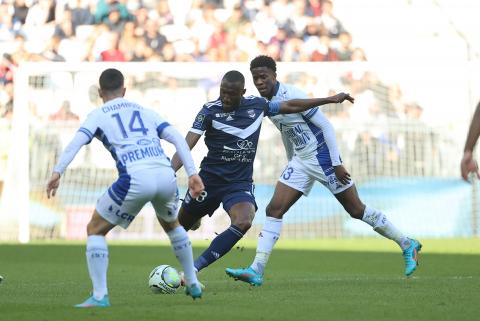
232,138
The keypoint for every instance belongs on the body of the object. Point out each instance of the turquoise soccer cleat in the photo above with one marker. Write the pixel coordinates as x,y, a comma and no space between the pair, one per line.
247,275
194,290
410,256
91,302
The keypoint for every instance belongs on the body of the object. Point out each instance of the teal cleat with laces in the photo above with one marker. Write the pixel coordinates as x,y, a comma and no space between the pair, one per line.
247,275
194,290
91,302
410,256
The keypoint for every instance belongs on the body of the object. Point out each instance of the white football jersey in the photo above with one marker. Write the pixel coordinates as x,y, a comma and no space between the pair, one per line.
299,134
130,132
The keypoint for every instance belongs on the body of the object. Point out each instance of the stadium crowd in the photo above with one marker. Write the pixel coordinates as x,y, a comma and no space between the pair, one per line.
167,30
203,31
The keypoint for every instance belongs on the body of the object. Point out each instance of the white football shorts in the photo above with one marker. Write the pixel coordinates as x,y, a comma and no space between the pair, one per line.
301,174
124,199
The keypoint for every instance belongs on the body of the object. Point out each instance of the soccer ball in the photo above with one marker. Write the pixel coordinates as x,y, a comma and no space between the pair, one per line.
164,279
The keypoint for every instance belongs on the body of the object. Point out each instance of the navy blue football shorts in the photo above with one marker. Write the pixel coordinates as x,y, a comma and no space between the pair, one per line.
213,195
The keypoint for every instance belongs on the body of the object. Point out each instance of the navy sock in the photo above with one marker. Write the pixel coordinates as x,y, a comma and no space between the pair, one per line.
219,247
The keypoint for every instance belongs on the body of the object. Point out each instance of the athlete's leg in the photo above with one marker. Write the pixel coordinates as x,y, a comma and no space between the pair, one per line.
283,198
97,260
241,215
186,219
353,205
375,218
182,247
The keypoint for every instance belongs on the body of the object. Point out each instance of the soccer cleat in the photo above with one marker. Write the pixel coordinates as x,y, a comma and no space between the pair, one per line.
247,275
410,256
182,280
194,290
91,302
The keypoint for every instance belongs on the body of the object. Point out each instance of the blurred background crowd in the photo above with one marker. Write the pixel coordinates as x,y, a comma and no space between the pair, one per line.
169,31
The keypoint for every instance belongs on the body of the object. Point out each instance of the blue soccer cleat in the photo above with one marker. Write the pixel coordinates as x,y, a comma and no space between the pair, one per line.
247,275
194,290
91,302
410,256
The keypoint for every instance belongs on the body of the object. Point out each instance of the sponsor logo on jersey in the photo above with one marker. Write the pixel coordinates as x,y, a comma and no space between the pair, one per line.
251,113
144,141
199,120
229,118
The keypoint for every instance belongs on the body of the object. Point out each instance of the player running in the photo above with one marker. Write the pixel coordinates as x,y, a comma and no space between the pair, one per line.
132,135
231,125
309,140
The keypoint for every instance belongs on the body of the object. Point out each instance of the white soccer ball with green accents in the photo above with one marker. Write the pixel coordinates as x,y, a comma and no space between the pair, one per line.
164,279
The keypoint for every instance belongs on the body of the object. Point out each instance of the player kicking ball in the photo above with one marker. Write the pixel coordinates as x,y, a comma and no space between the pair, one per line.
132,135
231,125
314,159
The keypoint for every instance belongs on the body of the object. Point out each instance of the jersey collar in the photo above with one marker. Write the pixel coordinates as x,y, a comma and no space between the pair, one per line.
276,89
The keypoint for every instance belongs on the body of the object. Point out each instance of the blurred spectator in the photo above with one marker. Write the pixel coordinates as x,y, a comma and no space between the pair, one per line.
105,7
113,53
114,20
64,113
81,14
51,53
20,11
329,21
153,38
65,28
40,13
344,49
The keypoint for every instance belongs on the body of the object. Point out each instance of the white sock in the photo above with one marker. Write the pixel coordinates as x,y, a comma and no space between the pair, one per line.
183,251
384,227
266,241
97,262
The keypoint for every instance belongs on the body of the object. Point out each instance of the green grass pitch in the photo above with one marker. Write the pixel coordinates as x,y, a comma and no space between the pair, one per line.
313,280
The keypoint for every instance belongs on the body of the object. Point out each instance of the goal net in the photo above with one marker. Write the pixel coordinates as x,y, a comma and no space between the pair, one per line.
401,146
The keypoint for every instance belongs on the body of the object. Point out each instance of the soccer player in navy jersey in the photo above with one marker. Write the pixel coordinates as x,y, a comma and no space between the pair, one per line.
313,155
131,133
231,125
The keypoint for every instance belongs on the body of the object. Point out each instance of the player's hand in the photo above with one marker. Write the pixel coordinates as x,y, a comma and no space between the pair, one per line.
53,184
342,174
195,185
341,97
468,165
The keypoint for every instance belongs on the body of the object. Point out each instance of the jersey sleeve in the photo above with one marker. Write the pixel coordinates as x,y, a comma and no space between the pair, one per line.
90,126
202,122
272,108
70,151
160,123
319,120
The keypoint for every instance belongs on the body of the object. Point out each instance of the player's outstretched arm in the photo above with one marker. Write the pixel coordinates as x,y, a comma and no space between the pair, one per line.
191,139
299,105
468,164
195,185
65,159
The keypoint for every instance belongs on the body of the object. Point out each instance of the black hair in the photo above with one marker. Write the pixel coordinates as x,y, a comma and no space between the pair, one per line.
263,61
111,79
234,76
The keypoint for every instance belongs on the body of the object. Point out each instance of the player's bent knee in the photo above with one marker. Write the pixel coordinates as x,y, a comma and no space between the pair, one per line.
243,224
274,211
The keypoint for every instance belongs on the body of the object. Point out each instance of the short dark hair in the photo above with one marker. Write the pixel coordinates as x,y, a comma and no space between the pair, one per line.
111,79
263,61
234,76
